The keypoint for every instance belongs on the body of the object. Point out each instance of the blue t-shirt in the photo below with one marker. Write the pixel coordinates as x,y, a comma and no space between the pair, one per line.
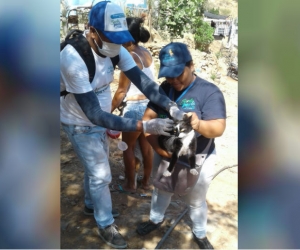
201,97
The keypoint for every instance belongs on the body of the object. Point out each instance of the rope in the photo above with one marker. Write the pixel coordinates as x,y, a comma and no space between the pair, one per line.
184,212
171,228
222,169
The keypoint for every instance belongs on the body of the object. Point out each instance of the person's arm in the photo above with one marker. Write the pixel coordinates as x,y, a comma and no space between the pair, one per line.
90,106
209,128
74,71
153,91
124,84
153,139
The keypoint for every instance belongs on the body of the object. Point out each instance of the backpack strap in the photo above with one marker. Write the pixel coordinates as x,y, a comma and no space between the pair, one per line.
82,46
79,42
115,60
85,51
139,58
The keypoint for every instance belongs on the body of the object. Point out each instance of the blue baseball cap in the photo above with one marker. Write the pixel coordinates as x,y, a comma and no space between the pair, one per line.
110,19
173,58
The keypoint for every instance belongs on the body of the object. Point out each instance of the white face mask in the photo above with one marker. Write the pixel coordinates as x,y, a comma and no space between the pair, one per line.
108,49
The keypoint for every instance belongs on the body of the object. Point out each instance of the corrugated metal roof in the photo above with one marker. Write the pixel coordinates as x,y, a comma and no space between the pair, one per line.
214,16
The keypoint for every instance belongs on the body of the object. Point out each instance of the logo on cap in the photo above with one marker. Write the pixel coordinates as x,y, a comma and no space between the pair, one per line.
168,57
117,23
118,15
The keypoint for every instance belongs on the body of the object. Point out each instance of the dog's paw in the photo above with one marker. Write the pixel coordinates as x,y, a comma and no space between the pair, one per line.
193,171
166,173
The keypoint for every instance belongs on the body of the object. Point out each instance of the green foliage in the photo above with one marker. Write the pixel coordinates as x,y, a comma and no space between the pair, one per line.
219,54
177,16
204,6
204,35
128,12
180,16
213,76
132,12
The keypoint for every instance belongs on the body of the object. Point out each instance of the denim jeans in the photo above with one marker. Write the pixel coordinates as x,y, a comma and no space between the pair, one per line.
92,147
196,198
135,109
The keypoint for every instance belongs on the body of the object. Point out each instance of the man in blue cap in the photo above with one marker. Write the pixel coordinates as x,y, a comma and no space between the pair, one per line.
205,103
85,111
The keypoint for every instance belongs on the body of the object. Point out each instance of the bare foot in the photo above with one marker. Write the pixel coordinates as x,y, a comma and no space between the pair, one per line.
146,186
129,189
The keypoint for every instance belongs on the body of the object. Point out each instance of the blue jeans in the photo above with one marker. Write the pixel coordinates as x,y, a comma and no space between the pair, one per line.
92,147
135,109
196,198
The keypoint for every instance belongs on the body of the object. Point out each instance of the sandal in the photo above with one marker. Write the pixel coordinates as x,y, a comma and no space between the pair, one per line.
147,227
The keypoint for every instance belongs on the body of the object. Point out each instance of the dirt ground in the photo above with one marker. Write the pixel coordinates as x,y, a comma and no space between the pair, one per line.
79,231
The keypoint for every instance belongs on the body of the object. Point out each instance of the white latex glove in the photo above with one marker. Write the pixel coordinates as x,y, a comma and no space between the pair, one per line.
158,126
176,113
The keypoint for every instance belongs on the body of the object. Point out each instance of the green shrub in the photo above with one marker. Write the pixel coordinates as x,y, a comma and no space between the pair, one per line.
204,35
213,76
177,15
219,54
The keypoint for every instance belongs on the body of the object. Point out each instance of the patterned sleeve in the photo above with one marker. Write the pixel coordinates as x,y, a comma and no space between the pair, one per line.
164,88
